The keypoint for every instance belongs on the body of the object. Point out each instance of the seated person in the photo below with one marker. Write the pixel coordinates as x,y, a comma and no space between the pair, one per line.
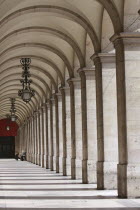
23,156
17,156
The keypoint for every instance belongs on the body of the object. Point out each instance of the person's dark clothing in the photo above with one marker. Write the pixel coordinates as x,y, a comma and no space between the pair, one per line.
16,156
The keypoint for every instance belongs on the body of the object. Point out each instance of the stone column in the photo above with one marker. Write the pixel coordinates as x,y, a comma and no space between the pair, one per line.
41,138
34,134
44,134
91,124
54,132
68,130
35,138
77,120
60,132
84,127
51,137
72,116
57,132
47,135
25,137
30,140
127,46
121,113
64,131
27,141
110,120
38,140
100,130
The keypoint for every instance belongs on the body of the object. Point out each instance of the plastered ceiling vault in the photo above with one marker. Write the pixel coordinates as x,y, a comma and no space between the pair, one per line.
58,35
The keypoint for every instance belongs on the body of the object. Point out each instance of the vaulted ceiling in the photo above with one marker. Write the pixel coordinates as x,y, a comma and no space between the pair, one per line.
55,35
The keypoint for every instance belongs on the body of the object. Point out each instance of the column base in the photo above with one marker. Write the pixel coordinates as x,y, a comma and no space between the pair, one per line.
47,161
78,169
64,167
45,157
42,160
110,175
73,171
35,158
68,166
57,164
100,175
122,180
39,160
51,163
133,180
84,172
92,171
60,165
54,163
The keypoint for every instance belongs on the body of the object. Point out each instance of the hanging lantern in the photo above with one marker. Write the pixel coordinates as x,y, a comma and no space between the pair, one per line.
26,93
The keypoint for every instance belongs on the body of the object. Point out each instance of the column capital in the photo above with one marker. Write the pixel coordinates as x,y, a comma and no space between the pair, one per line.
87,71
95,58
73,80
126,38
107,57
43,107
108,60
35,113
48,102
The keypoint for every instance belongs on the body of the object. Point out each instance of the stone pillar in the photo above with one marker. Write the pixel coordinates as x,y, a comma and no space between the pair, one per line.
54,132
57,132
127,46
44,123
109,120
72,117
41,138
78,127
60,133
91,124
100,130
121,113
51,136
64,131
30,140
35,137
38,140
47,135
68,131
27,141
84,127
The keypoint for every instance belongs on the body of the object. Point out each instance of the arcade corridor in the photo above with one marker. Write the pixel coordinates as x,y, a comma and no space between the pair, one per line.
25,185
70,99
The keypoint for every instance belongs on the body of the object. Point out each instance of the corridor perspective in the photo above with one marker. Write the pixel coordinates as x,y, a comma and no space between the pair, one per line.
26,186
70,104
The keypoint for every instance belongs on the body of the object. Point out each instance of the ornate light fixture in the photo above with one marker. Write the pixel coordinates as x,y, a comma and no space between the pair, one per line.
13,110
8,122
26,93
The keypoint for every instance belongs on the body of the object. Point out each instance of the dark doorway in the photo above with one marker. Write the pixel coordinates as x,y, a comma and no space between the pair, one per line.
7,146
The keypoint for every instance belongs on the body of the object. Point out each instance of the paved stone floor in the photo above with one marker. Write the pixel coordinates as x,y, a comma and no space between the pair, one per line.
26,186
